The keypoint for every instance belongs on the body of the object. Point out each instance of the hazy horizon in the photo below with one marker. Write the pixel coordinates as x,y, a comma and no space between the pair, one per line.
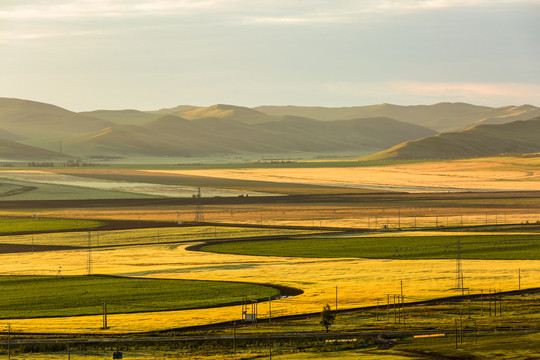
87,55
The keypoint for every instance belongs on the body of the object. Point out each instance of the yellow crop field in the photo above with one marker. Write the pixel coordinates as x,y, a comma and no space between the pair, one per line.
145,236
359,282
493,174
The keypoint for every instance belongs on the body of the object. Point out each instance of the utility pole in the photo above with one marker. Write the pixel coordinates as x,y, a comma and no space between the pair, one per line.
500,302
455,324
387,308
234,337
519,279
336,301
460,327
402,303
9,341
489,302
269,347
459,269
89,266
395,315
403,308
469,303
269,310
482,301
105,315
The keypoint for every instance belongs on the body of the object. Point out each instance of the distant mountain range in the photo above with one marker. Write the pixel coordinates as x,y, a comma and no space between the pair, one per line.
440,117
36,131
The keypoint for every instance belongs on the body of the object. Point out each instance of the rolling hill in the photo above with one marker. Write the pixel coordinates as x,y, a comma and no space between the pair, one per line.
189,131
129,116
174,136
31,120
481,140
440,117
125,140
221,111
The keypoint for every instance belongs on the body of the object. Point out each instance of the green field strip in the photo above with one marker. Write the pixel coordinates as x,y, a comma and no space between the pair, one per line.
492,247
50,296
36,224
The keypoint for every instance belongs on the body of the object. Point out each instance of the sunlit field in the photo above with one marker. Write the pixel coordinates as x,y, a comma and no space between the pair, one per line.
491,174
146,236
13,225
60,295
494,247
359,282
161,253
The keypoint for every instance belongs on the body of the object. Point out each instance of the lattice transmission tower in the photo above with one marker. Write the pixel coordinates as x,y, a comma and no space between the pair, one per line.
199,213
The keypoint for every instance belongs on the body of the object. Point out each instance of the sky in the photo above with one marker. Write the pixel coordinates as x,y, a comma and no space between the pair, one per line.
152,54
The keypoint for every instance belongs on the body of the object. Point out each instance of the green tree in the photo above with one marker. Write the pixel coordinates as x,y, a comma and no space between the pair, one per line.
327,317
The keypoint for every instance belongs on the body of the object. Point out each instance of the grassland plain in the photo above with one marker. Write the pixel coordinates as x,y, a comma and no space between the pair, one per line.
492,247
49,296
205,182
360,282
28,190
146,236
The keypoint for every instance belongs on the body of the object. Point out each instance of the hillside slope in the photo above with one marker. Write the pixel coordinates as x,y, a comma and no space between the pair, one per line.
481,140
31,120
222,111
129,116
126,140
13,151
174,136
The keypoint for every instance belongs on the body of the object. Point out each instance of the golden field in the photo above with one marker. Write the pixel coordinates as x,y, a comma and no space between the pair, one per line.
444,207
490,174
359,282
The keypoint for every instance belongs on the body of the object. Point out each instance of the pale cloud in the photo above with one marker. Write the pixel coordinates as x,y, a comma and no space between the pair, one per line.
479,93
256,10
98,8
502,90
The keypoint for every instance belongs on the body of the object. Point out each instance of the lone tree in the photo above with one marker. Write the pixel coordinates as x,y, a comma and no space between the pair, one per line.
327,317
